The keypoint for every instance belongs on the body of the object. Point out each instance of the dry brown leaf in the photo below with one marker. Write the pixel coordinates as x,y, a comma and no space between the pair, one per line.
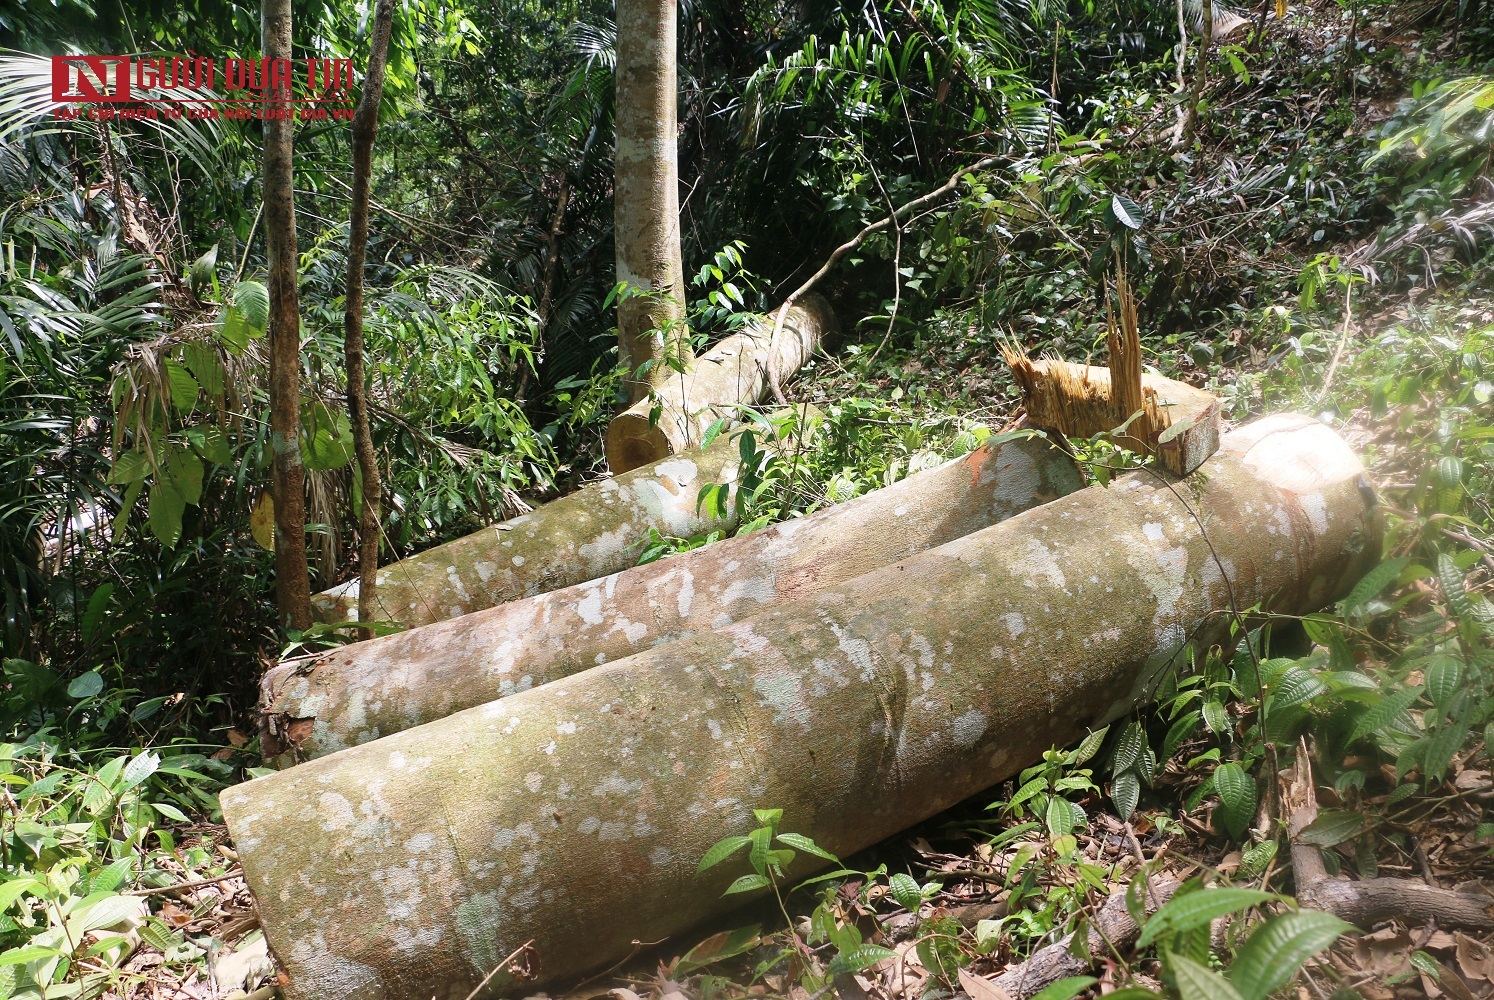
981,989
1474,958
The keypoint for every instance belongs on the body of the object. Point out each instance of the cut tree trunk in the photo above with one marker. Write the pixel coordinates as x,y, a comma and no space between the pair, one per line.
575,814
646,196
314,706
597,530
733,373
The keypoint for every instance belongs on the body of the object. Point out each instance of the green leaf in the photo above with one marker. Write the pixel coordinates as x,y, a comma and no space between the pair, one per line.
1065,989
1295,686
1198,983
1060,817
167,505
99,791
1444,677
1126,211
113,876
326,438
721,850
1384,712
200,275
18,887
1216,718
1370,585
128,467
1127,748
184,471
747,883
138,769
803,843
86,685
30,953
1236,791
1125,792
1198,909
719,946
234,331
1090,746
860,958
184,388
105,912
1333,826
98,603
171,812
252,300
1279,947
905,891
202,361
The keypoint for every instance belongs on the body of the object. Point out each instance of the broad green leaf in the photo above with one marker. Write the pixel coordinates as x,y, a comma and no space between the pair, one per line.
720,946
184,388
1384,712
86,685
1065,989
27,954
252,300
202,361
1090,746
863,957
1198,909
1126,211
1060,817
99,791
167,505
184,471
129,467
262,521
1236,791
1216,718
98,603
1279,947
747,883
1333,826
1127,748
18,887
113,876
138,769
105,912
905,891
800,842
1295,686
721,850
234,331
1444,677
1195,982
171,812
1125,792
1372,583
326,438
200,275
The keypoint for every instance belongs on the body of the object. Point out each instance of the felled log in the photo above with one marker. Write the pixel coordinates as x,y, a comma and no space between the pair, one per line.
575,814
732,373
596,530
314,706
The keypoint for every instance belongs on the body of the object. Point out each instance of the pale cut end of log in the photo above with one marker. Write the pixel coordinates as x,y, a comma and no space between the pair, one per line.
597,530
574,815
1178,424
731,374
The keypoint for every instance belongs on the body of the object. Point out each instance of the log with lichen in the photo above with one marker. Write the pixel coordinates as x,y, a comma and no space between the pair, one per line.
597,530
733,373
314,706
574,815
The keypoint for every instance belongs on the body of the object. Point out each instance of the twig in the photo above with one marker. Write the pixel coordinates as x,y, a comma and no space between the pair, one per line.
774,380
231,873
501,965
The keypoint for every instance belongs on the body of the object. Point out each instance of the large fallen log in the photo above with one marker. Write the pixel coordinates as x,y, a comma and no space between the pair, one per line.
732,373
575,814
598,529
314,706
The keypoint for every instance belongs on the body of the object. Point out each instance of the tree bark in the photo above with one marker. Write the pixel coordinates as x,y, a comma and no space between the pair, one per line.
365,129
651,317
597,530
575,814
316,706
292,579
734,372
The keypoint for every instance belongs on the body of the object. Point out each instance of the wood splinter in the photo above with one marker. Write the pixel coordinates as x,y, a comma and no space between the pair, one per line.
1171,420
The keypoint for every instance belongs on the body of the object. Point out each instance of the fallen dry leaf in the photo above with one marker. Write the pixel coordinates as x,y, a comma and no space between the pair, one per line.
981,989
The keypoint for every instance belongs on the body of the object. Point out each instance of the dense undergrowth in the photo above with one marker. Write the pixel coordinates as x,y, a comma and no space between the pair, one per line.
1321,246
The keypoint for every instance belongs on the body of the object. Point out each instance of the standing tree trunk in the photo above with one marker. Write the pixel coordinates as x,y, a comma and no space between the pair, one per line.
365,127
651,317
292,582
